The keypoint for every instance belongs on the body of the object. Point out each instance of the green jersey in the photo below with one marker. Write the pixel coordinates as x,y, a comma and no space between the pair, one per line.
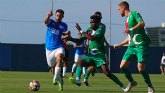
101,26
97,44
136,37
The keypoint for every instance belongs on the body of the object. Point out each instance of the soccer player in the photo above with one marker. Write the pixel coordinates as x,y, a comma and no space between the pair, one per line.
96,51
91,69
138,45
54,44
79,54
162,64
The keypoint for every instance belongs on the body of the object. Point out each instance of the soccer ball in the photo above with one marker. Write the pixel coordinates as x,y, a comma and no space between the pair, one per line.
34,85
71,79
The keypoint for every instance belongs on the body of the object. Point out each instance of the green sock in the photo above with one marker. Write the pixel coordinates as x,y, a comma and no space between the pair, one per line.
87,73
78,71
127,74
116,80
146,78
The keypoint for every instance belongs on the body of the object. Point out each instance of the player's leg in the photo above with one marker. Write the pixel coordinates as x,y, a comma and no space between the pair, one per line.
128,56
76,59
65,66
124,67
161,69
141,69
59,54
65,63
78,72
112,77
51,61
83,70
57,76
142,55
164,69
87,73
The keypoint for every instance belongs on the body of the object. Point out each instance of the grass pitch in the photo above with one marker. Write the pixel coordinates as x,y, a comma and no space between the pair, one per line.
17,82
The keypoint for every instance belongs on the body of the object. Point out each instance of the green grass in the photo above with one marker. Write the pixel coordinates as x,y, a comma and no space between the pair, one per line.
17,82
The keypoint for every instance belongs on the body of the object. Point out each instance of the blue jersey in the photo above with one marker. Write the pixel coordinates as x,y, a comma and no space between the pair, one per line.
54,33
80,51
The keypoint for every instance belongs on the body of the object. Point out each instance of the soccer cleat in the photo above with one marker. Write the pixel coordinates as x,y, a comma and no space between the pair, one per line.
78,83
86,83
131,85
71,79
124,88
151,90
54,82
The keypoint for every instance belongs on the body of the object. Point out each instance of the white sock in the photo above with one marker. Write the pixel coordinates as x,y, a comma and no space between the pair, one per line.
77,80
85,80
64,71
73,68
57,74
83,70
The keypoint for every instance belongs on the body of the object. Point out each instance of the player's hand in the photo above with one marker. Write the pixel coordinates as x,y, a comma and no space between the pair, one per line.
67,32
78,27
50,13
116,46
126,31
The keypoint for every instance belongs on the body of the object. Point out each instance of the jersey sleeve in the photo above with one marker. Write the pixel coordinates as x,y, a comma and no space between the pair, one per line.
50,23
138,17
89,28
99,33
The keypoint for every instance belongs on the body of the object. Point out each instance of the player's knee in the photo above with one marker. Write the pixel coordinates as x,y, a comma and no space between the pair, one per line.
122,67
140,70
91,68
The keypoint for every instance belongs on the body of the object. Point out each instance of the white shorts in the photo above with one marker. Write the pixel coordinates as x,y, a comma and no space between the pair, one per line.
77,57
52,54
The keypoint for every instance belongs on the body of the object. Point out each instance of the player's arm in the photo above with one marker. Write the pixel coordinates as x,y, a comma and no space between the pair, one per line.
78,46
140,21
76,40
90,37
48,17
122,43
140,24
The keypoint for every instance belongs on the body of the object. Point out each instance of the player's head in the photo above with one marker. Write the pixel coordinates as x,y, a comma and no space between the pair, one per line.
122,7
94,22
97,13
163,53
79,35
59,15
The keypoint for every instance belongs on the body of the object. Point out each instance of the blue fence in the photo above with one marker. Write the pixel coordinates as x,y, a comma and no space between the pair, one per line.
31,57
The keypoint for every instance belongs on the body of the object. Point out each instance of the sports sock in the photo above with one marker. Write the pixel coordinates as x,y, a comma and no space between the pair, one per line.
64,71
116,80
73,68
87,74
83,70
127,74
57,73
78,71
146,78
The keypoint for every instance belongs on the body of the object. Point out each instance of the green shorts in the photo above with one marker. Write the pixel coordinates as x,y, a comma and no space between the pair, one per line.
139,53
97,60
